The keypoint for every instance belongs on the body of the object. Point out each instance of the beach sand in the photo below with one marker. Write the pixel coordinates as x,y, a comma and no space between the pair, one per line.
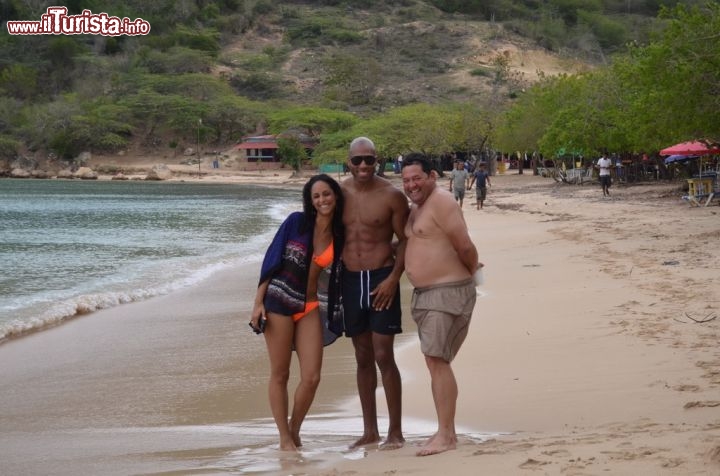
582,353
583,358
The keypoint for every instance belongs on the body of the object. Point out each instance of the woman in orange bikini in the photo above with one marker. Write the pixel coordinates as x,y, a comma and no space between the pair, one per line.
298,296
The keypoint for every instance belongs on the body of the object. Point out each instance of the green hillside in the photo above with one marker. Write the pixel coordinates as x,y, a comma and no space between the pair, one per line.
214,71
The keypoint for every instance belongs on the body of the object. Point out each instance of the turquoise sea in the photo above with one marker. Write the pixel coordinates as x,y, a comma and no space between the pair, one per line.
73,247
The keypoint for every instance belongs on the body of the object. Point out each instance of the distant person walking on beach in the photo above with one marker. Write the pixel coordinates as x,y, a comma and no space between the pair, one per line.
440,260
482,179
458,180
306,248
604,165
375,210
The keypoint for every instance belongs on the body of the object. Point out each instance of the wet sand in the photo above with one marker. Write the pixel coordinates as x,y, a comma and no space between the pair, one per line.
174,383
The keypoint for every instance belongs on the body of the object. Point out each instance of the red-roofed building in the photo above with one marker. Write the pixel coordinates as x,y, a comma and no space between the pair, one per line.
264,148
260,148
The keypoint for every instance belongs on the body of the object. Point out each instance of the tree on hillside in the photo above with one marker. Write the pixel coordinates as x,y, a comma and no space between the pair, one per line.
231,117
672,85
333,147
589,119
523,125
471,127
659,94
312,120
433,130
351,78
291,152
69,126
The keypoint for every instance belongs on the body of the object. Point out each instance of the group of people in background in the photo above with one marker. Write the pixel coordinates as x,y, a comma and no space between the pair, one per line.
463,177
334,269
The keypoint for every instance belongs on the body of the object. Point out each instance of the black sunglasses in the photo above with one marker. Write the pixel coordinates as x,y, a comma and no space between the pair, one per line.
358,159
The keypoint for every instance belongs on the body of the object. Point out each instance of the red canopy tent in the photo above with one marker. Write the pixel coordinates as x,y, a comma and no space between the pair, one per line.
694,147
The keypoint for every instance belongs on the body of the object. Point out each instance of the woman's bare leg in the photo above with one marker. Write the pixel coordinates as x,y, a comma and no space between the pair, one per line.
278,337
309,347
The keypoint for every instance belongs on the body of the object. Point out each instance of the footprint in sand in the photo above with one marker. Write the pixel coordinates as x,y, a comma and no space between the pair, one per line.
687,388
706,404
533,463
714,454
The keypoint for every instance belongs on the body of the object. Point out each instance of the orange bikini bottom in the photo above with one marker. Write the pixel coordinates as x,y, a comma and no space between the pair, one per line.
309,307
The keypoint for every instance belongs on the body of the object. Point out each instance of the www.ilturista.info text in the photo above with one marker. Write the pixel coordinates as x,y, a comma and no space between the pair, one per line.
56,21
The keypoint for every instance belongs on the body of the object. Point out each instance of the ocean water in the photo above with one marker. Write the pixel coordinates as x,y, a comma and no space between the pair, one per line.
73,247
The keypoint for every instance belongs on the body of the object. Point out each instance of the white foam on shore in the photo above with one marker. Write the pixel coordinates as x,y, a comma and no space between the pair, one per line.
134,282
326,438
51,310
83,304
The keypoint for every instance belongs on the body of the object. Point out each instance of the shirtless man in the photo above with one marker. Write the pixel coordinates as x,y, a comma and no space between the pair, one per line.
440,260
374,211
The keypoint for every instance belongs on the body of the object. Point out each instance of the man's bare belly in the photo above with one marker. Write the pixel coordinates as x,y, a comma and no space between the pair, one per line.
428,266
361,256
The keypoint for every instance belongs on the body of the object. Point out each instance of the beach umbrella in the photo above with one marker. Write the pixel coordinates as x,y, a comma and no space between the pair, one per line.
695,147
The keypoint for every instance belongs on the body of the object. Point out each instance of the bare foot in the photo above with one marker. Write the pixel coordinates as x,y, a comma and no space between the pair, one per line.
392,443
294,434
288,445
436,445
366,440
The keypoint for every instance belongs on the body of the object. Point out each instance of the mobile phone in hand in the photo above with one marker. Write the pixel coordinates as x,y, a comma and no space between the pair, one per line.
261,325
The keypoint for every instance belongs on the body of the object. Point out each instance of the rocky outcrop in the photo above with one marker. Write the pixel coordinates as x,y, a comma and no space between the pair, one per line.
39,174
86,173
19,173
25,163
159,172
23,167
119,176
65,174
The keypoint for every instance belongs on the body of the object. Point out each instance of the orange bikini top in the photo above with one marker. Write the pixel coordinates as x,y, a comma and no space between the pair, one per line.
325,258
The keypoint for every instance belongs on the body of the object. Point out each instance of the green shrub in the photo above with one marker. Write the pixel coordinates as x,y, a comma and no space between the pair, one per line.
110,142
263,7
233,24
177,60
9,147
344,36
257,85
289,12
210,12
256,62
609,33
19,81
482,71
291,152
317,30
198,39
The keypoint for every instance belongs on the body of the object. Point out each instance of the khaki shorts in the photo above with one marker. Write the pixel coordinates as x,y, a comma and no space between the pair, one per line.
442,314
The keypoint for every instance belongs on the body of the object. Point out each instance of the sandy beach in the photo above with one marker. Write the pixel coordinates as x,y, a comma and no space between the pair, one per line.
586,356
583,352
